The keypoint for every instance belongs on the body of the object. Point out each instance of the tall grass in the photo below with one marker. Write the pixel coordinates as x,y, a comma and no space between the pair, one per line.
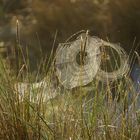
97,111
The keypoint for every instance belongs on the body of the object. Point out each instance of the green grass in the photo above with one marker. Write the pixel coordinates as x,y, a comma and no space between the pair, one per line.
92,112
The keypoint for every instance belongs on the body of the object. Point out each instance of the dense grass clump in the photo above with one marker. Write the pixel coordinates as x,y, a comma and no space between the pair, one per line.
97,111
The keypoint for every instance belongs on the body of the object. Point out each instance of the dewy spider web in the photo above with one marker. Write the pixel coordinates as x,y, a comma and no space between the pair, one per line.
73,74
77,65
46,88
121,64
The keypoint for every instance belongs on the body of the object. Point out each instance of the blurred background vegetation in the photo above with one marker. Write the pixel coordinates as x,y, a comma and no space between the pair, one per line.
41,20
